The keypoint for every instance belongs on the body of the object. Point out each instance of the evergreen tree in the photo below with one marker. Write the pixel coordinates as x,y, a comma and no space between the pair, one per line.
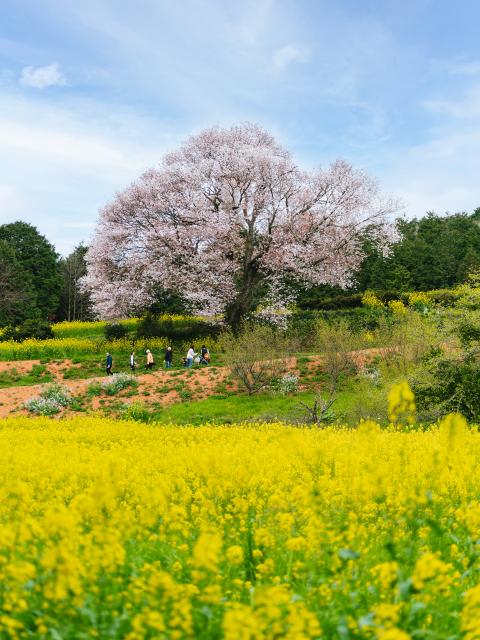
74,301
38,258
15,288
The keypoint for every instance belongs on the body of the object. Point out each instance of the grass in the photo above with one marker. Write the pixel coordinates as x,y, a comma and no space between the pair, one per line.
228,410
13,378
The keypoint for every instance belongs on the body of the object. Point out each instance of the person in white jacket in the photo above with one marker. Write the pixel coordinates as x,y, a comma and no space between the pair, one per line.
190,356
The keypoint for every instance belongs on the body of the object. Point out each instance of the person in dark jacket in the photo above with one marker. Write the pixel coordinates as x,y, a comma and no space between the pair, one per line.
109,364
204,355
168,357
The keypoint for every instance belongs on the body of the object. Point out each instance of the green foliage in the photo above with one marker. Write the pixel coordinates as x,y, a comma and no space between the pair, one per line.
433,252
74,303
51,401
39,260
14,378
136,411
175,327
450,378
16,290
115,331
255,356
37,329
450,383
116,383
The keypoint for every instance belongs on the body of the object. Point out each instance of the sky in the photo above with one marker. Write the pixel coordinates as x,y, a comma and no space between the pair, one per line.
94,92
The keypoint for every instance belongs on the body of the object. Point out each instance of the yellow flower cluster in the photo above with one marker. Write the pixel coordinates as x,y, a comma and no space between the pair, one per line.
77,328
419,299
397,307
123,530
369,299
70,347
401,403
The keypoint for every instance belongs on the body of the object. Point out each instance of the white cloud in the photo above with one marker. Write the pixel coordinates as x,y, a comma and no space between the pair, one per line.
471,68
42,77
462,107
285,55
440,175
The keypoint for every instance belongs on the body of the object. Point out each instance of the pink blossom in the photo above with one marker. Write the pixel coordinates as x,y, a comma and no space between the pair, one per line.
223,220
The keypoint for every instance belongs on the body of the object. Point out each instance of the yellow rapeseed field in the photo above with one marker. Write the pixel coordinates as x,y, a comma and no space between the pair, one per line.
121,530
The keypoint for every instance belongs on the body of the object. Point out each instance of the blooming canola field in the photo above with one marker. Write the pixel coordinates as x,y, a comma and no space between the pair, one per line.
123,530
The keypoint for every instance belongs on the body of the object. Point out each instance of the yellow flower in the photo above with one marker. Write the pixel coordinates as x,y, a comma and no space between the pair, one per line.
207,551
234,555
401,403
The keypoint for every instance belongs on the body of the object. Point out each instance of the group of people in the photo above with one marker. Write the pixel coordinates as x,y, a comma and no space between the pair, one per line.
191,358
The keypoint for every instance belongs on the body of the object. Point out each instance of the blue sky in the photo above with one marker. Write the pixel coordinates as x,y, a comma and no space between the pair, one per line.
93,92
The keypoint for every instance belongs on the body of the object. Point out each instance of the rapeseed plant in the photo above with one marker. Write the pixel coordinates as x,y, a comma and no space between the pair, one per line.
125,530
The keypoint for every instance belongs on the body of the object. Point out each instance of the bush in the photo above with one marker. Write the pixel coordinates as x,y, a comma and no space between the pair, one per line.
288,383
115,331
450,379
256,356
118,382
37,329
469,330
136,411
450,382
176,327
52,400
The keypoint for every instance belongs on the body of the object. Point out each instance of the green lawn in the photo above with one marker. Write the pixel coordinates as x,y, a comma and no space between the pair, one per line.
239,408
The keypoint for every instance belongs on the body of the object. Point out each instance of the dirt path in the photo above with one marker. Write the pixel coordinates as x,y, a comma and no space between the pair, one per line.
160,388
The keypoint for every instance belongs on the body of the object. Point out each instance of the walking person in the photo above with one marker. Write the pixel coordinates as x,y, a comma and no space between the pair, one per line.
109,364
150,361
133,364
204,355
190,356
168,357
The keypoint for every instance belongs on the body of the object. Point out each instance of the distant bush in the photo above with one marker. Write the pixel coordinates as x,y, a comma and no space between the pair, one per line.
118,382
36,329
286,384
52,400
176,327
442,297
256,356
136,411
115,331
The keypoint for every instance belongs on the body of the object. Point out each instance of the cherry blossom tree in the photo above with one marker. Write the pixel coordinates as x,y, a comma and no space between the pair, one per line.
226,220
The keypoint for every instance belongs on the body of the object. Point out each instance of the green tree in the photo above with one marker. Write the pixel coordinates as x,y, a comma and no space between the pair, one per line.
432,253
38,258
74,301
15,288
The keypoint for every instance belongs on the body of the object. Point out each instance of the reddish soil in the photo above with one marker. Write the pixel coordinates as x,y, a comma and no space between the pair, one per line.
155,388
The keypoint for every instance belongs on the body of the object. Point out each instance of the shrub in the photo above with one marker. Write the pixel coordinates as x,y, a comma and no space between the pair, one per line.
288,383
58,394
52,400
115,331
37,329
118,382
42,407
256,356
136,411
449,382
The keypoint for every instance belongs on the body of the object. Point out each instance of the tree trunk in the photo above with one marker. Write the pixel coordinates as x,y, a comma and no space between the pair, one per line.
246,299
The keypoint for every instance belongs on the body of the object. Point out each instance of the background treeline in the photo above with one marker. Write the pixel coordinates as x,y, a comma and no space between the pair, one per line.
435,252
